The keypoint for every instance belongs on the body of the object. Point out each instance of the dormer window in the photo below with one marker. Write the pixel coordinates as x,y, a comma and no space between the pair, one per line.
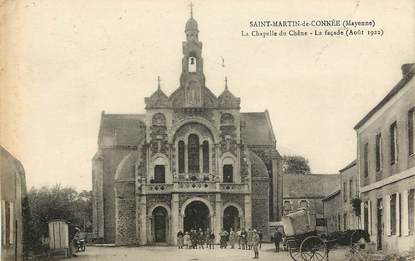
192,64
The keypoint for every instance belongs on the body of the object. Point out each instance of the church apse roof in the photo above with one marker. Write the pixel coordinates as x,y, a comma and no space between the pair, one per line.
121,129
258,168
125,170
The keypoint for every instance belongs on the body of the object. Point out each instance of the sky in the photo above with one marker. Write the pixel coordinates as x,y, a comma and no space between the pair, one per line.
66,61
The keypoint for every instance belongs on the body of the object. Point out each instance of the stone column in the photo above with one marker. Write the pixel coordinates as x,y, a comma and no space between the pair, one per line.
218,216
186,167
143,220
276,187
248,211
201,158
405,216
174,218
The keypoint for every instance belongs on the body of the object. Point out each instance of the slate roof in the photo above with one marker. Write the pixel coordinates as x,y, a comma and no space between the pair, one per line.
332,195
408,71
257,128
121,129
128,129
10,167
348,166
309,185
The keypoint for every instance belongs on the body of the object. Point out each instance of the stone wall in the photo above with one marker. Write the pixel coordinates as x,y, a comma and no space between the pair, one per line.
13,193
260,203
125,214
111,159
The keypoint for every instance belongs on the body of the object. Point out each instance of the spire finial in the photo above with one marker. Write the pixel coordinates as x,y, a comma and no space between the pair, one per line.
191,9
226,82
158,82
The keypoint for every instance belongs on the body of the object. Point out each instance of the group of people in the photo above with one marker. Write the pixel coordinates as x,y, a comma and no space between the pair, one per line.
196,239
246,239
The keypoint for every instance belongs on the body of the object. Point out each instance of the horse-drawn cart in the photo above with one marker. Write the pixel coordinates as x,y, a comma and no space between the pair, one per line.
302,240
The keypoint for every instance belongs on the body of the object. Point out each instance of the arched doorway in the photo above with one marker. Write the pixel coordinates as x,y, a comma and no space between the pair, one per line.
196,216
160,224
231,218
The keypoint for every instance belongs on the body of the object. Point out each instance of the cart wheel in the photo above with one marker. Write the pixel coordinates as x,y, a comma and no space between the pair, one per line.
295,254
313,248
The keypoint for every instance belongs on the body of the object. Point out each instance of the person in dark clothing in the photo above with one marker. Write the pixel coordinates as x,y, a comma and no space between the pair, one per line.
180,239
212,240
193,238
277,237
260,238
243,239
223,238
200,238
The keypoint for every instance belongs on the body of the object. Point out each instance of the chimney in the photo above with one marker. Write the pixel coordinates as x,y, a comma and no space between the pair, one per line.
408,68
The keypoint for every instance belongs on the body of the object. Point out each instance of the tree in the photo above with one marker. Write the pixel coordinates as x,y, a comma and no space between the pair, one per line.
295,164
57,202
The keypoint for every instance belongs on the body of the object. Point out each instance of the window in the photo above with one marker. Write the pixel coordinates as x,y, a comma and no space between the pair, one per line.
227,173
321,222
393,132
7,223
411,131
303,203
287,206
378,152
205,150
393,214
226,119
192,64
366,216
350,189
344,191
338,222
399,214
366,159
345,221
193,153
159,174
181,156
159,119
411,211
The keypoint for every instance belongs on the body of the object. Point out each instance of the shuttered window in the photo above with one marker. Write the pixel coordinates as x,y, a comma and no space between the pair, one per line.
411,130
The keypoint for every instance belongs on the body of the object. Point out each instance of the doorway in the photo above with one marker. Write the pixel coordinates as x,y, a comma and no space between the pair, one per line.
231,219
196,216
160,224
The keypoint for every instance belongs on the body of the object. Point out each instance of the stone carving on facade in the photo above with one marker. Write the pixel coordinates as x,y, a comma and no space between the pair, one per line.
236,199
158,135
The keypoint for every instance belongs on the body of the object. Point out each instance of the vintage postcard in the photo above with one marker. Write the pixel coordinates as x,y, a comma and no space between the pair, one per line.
207,130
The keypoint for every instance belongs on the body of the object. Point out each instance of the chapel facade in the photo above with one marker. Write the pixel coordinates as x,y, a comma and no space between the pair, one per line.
192,160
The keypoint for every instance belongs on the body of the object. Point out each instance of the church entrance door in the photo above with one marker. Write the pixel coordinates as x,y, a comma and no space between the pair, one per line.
231,219
196,216
160,224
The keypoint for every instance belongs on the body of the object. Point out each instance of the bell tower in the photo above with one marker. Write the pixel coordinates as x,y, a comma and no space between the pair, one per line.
192,78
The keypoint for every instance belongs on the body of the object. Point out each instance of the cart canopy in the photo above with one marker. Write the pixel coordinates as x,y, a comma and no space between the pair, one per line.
299,222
